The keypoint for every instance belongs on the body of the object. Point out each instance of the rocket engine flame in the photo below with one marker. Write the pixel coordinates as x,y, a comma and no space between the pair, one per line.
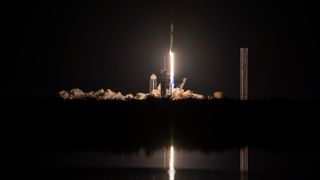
171,55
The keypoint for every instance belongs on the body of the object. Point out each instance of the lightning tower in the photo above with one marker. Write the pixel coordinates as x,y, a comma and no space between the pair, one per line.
243,73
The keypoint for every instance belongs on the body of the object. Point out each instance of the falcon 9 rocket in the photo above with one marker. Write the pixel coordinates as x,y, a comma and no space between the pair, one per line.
167,73
171,57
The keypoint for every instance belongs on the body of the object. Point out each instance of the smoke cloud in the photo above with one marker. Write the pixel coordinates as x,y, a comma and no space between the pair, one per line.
108,94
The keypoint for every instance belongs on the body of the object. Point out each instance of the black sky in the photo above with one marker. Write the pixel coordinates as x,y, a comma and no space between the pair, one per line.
55,45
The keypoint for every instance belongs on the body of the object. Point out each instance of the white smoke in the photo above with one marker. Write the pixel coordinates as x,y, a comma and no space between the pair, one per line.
218,95
177,94
101,94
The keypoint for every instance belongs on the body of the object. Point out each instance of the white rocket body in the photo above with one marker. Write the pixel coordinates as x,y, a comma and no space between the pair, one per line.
171,59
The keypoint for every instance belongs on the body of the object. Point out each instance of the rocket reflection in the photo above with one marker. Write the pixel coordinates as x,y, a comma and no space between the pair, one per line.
171,170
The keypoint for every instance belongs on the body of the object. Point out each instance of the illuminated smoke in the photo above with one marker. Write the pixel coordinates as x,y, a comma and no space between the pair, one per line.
99,95
218,95
72,94
64,94
180,94
177,94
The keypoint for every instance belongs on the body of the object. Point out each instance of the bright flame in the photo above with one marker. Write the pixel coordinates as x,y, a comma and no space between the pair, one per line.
171,55
171,164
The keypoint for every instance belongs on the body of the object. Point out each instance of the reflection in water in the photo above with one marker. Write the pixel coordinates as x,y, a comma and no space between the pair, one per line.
171,170
244,163
244,176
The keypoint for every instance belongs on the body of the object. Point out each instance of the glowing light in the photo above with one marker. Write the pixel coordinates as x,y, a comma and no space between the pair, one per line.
171,55
171,170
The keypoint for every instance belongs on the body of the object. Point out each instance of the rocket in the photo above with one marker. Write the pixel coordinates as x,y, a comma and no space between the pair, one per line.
166,59
167,82
171,37
171,57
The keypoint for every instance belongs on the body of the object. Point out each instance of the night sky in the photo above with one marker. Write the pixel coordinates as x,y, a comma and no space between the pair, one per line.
52,45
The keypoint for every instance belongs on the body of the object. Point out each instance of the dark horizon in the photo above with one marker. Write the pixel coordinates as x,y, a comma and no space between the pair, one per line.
62,45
